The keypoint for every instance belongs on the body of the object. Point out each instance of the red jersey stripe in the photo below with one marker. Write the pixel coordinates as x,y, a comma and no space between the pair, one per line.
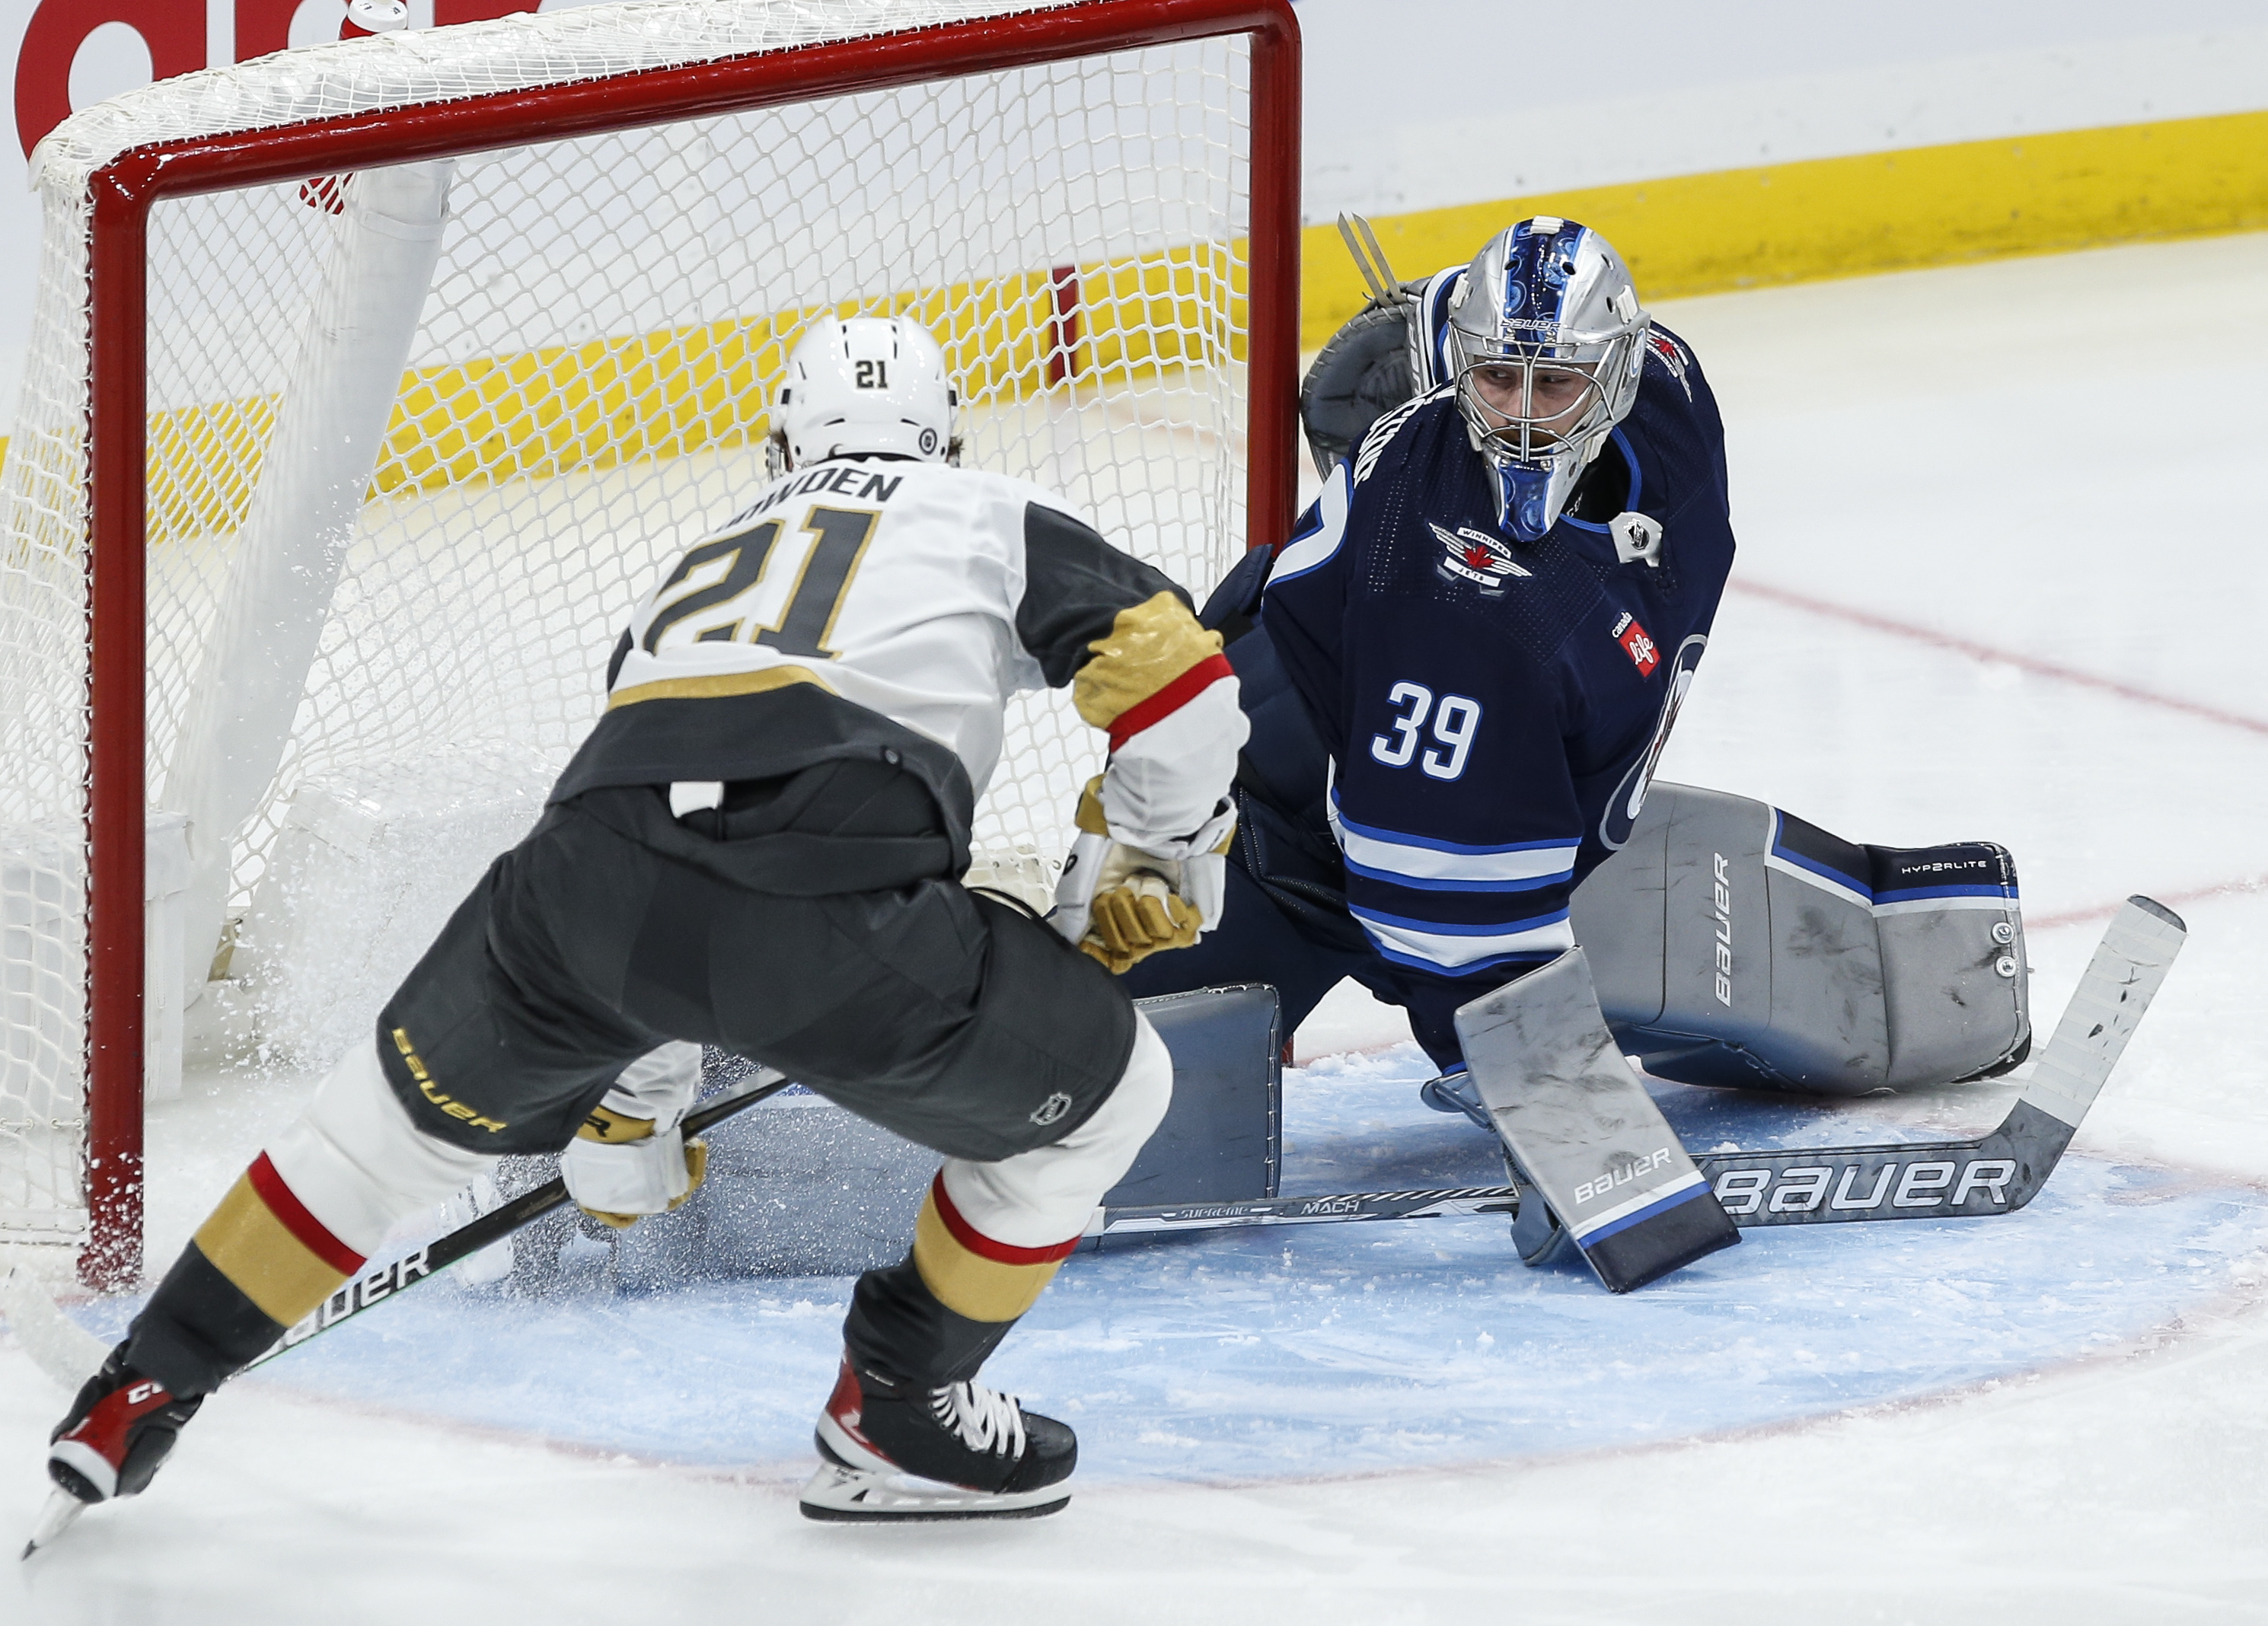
292,1215
1169,699
983,1246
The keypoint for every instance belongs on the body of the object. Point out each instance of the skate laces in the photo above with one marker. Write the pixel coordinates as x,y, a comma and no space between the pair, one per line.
985,1419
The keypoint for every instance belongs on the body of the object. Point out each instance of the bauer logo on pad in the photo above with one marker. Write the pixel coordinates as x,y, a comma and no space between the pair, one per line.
1636,644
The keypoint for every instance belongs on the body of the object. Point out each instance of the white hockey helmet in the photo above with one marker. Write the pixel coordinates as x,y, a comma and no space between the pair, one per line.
1546,295
872,384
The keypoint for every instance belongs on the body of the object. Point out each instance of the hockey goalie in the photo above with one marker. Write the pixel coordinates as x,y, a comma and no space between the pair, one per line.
759,848
1461,672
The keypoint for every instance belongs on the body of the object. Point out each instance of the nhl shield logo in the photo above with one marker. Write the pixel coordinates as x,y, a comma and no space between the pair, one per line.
1051,1110
1476,556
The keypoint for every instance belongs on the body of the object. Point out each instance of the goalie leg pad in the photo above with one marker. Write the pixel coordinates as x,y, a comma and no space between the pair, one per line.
1734,943
1583,1132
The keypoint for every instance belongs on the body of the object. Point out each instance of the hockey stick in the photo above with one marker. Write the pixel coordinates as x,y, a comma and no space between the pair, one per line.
62,1509
355,1297
1996,1172
1455,1202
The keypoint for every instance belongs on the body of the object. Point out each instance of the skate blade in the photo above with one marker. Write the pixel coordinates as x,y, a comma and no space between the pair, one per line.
858,1495
61,1510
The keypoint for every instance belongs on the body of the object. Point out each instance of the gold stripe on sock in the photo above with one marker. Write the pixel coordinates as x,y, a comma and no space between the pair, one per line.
967,1283
249,1246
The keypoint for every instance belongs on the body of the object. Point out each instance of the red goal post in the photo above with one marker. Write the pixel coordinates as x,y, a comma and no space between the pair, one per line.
125,188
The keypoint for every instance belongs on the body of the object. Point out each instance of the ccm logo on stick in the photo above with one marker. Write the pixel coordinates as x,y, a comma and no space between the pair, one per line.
1857,1186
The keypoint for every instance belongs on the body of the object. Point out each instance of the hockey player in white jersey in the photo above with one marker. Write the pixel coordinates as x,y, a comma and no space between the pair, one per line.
759,848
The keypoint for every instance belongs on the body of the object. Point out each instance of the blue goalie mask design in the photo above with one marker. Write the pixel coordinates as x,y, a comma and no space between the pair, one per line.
1548,342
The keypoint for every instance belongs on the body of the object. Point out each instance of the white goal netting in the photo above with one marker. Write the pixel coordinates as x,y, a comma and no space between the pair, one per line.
418,438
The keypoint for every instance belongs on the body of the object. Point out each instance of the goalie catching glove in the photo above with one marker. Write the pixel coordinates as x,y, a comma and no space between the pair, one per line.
1120,903
629,1159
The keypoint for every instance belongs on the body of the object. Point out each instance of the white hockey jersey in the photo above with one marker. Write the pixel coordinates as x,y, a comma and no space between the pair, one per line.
927,596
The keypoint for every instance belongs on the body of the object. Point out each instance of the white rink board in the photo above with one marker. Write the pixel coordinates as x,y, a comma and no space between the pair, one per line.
2118,1480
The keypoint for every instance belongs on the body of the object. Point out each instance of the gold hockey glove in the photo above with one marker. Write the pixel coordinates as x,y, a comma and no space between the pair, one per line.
1121,905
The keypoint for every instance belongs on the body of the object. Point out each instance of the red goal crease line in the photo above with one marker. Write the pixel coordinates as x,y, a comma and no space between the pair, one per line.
2249,885
2032,663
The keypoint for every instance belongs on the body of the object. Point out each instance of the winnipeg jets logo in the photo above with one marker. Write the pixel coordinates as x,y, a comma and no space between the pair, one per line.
1477,557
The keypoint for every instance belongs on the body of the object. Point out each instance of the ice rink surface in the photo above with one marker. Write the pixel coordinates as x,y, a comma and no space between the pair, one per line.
1999,579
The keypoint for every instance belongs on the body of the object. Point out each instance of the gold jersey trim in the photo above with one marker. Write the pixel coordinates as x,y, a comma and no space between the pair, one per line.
967,1283
716,686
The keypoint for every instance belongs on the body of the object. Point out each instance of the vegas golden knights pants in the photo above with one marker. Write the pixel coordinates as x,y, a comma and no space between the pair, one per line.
813,923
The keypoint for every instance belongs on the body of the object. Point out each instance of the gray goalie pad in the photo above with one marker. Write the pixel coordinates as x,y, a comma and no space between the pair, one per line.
800,1186
1583,1134
1734,943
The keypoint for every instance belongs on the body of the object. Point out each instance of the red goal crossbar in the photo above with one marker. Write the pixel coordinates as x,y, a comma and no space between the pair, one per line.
125,190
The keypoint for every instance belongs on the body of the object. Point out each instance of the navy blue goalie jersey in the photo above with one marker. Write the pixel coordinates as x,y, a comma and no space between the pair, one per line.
1490,713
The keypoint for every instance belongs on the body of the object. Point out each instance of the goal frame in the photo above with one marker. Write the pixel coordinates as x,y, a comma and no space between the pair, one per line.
125,190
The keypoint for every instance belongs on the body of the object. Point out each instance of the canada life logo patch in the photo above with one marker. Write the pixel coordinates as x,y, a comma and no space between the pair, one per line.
1636,644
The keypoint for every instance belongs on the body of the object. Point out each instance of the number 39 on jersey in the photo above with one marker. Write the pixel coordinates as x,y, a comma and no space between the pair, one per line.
1437,736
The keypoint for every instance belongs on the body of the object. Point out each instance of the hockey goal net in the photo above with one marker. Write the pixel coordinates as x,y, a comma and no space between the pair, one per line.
372,383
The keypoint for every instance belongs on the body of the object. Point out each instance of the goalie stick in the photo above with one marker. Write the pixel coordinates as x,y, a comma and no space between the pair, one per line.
1996,1172
62,1509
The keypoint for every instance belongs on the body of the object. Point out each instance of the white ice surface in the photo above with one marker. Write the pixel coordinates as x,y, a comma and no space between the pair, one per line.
2058,1416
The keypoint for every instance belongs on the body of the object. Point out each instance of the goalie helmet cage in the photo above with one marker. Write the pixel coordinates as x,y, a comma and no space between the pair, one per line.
1094,203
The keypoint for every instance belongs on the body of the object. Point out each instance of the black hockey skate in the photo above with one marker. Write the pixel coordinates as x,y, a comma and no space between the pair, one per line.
961,1452
120,1430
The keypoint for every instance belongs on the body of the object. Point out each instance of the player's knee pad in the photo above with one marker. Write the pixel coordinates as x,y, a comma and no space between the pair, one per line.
1734,943
1038,1199
357,1163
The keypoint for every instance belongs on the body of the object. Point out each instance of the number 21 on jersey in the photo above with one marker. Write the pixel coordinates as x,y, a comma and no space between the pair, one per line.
719,582
1455,721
